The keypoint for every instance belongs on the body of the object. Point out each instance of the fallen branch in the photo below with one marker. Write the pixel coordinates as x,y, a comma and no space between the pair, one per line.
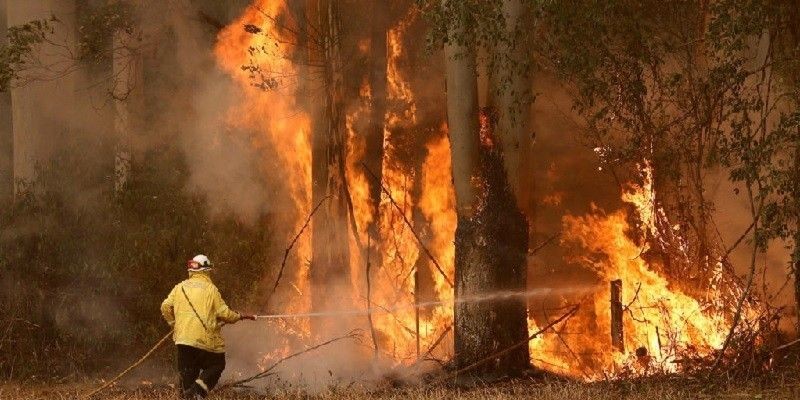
547,327
751,275
291,245
787,345
545,243
569,349
437,341
354,334
410,226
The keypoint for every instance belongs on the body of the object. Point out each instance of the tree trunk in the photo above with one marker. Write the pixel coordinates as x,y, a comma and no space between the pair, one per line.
128,101
330,257
6,129
462,122
378,87
491,236
513,102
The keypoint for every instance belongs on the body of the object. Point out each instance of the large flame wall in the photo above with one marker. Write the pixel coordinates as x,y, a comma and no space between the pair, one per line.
659,317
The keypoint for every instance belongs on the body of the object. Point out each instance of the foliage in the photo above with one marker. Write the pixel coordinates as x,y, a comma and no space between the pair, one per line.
84,269
97,29
642,78
763,145
485,25
689,86
21,41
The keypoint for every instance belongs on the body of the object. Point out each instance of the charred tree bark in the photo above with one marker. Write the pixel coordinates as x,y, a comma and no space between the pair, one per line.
491,254
491,236
488,259
330,255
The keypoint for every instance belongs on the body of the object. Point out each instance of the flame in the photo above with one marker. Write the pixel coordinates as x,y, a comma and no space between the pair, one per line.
660,321
659,317
393,280
278,122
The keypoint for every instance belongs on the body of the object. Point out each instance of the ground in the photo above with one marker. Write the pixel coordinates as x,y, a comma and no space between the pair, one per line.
654,389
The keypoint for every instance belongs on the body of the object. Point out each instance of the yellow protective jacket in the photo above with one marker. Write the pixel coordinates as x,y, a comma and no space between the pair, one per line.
199,327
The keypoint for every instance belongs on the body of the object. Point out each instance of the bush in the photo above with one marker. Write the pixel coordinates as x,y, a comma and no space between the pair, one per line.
83,269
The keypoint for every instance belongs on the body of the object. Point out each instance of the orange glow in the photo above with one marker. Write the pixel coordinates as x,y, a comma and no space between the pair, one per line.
279,122
661,318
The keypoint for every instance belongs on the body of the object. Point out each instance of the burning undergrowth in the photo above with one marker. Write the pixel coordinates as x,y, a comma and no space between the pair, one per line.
663,327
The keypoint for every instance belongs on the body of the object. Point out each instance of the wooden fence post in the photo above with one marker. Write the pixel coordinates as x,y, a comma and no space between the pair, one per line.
617,336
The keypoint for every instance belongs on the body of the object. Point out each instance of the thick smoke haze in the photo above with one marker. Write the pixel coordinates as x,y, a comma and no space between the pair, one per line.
225,166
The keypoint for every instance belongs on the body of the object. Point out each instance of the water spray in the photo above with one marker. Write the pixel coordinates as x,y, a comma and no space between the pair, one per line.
501,295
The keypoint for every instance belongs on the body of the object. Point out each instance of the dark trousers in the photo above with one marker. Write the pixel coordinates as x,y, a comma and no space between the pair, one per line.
197,364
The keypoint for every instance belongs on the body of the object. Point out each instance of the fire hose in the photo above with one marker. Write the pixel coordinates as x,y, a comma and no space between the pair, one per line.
149,353
354,312
129,369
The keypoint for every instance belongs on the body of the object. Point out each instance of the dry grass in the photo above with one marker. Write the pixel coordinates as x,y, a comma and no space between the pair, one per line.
663,389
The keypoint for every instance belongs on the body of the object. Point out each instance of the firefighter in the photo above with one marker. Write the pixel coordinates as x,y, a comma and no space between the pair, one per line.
196,311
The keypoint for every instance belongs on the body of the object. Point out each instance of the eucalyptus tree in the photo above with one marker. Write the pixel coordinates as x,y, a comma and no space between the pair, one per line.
491,240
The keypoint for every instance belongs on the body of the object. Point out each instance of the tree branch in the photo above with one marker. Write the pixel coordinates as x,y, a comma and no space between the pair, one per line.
354,334
291,245
410,226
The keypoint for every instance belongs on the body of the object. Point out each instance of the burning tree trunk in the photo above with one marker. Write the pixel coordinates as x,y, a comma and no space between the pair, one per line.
373,154
330,258
491,236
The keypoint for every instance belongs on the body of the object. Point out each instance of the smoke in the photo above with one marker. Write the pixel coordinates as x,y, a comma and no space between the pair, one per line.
299,364
732,216
189,103
225,167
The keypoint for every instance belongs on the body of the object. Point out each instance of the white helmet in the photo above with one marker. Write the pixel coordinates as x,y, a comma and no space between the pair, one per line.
199,263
